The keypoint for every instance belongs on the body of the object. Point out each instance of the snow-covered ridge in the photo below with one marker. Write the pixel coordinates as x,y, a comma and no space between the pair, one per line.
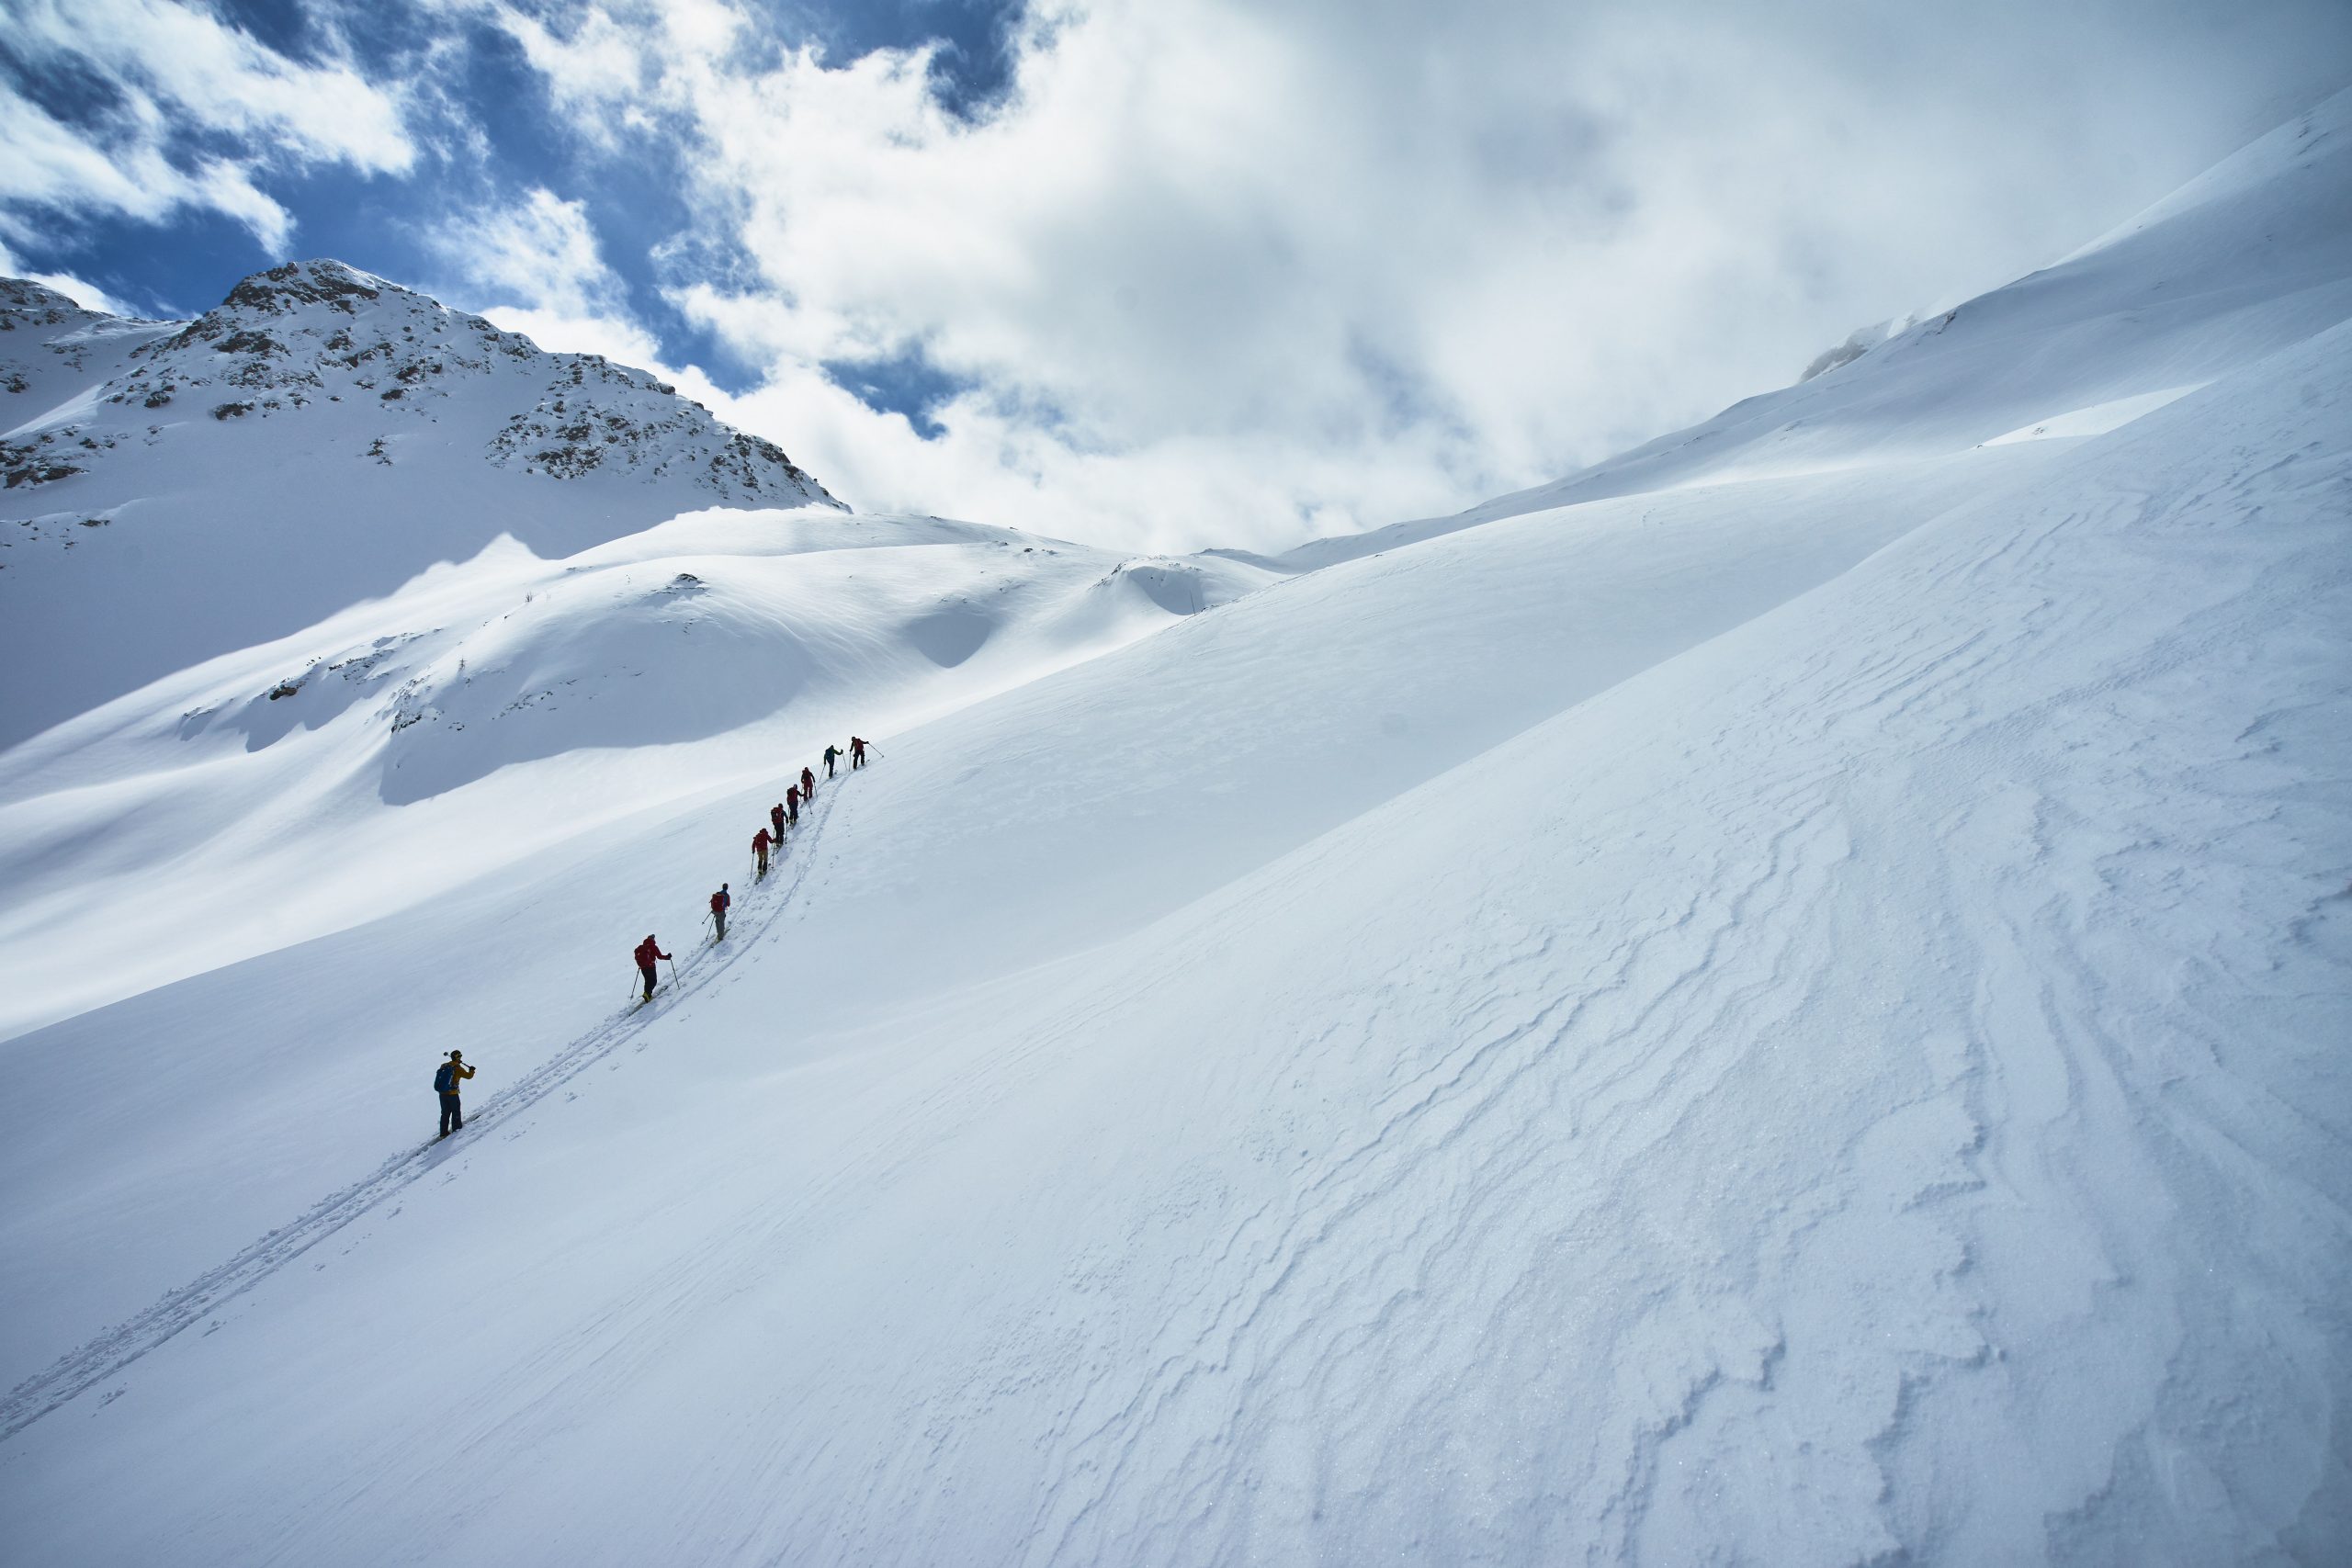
2245,260
50,349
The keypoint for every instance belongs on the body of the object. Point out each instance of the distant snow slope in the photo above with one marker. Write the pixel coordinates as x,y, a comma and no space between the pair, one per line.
492,708
1793,1015
2245,260
179,490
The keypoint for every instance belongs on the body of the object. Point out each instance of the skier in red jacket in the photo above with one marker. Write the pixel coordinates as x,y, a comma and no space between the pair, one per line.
647,952
760,850
808,784
719,904
791,805
775,820
856,753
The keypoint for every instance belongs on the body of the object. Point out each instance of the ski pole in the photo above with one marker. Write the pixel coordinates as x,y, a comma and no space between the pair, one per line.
673,970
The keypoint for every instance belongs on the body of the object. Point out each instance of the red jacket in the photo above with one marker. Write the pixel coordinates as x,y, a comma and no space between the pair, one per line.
759,841
807,782
647,952
719,900
776,815
792,795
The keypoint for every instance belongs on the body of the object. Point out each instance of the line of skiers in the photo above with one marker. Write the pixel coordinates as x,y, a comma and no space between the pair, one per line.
785,813
768,842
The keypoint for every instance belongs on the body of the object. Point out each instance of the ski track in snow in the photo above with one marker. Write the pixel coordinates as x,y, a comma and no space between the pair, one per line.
117,1348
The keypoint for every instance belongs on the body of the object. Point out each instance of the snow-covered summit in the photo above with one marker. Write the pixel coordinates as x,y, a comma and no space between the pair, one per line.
314,333
176,490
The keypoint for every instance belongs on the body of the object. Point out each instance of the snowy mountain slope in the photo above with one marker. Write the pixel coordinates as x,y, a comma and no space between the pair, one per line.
2243,261
1858,1088
182,490
1021,830
498,706
1786,1017
51,351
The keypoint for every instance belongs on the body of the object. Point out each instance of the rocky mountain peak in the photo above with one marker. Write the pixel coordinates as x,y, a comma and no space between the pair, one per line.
323,346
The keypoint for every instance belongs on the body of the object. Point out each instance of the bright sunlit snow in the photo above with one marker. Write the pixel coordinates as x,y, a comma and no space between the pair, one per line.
1782,998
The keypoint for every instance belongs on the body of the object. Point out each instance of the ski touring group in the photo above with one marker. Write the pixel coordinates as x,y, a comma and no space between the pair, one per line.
766,842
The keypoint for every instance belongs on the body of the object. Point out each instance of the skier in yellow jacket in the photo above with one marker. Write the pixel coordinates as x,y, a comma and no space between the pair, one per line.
453,1072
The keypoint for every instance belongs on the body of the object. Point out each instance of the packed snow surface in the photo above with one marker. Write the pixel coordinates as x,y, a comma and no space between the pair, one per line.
1783,1001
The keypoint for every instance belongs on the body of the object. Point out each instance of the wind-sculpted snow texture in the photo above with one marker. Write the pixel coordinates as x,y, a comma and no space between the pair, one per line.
178,490
1791,1016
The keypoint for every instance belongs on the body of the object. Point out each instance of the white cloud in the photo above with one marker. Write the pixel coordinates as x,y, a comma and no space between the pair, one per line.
540,254
170,70
1221,272
1215,271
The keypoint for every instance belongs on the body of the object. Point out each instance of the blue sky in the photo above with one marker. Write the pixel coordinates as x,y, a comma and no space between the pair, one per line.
1159,272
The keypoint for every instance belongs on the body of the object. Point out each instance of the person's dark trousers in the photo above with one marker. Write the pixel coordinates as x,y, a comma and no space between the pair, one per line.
452,1117
647,970
718,915
828,767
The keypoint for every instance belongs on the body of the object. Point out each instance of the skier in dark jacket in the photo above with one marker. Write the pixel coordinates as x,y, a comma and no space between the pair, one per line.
791,805
760,850
445,1083
831,751
856,753
718,903
646,953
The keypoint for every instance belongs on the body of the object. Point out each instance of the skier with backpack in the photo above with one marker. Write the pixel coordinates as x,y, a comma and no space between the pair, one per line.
856,753
647,952
791,805
445,1080
760,850
775,819
718,904
831,751
807,786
